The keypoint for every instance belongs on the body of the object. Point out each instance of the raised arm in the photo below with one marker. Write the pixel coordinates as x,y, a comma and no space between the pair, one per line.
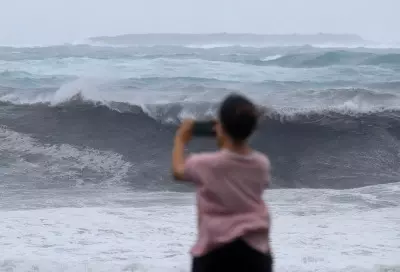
182,137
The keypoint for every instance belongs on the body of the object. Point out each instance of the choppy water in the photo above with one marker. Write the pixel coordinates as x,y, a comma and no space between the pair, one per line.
86,133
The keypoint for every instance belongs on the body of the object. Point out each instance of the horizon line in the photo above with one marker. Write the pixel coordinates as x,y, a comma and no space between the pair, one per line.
234,33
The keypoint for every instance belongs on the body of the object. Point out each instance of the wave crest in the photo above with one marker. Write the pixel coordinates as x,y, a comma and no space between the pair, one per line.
354,104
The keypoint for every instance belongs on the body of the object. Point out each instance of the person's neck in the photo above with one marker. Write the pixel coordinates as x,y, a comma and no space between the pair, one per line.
242,149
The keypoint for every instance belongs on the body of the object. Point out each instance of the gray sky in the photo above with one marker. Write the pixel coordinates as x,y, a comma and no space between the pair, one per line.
54,21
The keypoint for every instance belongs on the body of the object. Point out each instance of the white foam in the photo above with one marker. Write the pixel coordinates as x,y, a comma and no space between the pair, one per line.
311,232
274,57
60,161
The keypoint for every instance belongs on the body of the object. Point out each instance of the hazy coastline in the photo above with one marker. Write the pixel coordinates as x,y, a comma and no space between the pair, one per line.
181,38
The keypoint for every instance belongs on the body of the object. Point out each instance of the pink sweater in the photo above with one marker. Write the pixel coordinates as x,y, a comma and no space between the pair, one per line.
229,199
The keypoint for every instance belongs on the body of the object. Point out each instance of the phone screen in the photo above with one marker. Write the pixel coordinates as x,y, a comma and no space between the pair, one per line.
204,129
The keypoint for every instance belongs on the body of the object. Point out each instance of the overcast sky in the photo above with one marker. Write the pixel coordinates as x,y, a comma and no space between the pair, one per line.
54,21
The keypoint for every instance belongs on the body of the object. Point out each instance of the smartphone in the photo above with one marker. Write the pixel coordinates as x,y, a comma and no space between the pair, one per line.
204,128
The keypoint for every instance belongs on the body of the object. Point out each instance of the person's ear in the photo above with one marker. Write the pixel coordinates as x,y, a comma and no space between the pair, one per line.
220,137
215,125
218,128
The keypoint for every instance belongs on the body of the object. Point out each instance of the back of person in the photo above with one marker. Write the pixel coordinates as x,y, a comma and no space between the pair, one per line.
237,180
233,220
229,196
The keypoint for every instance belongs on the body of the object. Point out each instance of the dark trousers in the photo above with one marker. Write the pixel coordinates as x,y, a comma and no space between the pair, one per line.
235,256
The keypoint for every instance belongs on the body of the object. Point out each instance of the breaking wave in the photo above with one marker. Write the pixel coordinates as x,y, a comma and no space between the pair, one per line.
327,147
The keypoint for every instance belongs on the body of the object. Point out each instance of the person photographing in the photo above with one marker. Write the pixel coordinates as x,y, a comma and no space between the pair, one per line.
233,220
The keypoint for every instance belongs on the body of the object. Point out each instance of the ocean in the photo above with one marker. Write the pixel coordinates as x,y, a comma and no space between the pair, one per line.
86,132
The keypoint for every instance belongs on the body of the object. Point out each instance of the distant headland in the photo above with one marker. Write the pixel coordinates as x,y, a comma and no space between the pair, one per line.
228,38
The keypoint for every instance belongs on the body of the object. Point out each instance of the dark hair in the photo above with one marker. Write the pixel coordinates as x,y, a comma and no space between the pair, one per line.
238,117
